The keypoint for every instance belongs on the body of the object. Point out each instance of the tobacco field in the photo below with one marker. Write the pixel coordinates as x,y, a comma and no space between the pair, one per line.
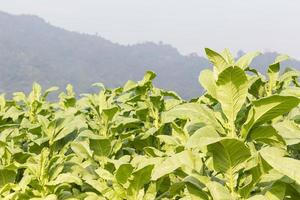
240,139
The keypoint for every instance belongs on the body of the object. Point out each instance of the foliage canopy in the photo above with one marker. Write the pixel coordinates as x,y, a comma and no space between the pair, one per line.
239,140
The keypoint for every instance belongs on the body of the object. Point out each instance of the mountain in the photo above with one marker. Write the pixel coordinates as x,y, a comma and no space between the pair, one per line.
33,50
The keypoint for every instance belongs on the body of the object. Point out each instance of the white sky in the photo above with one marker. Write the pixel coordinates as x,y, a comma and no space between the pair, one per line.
189,25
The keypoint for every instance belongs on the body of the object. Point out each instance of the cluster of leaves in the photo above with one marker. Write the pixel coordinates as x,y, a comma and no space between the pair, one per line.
240,140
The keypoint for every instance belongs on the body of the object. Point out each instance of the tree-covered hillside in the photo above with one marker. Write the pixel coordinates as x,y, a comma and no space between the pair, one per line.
33,50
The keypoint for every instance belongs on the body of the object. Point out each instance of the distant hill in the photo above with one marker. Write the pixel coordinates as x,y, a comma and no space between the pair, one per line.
33,50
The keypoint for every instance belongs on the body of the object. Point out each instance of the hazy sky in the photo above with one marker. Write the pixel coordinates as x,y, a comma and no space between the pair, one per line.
189,25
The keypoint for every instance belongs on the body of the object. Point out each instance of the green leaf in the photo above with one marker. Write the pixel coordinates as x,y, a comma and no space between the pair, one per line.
195,193
104,174
82,149
291,91
276,158
232,89
101,147
140,178
172,163
207,80
50,90
66,178
196,188
273,73
35,93
151,192
195,112
151,151
12,113
266,109
276,192
289,131
149,76
203,137
6,176
266,134
281,58
244,61
66,130
217,60
227,56
288,75
229,155
218,191
110,112
124,172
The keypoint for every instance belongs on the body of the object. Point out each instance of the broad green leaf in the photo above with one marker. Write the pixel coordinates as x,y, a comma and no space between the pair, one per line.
129,85
285,165
101,147
203,137
244,61
268,108
104,174
140,178
151,192
196,188
19,97
149,76
6,176
50,90
72,126
277,191
288,75
280,58
99,85
232,89
169,140
217,60
273,73
289,131
172,163
229,155
66,178
36,92
291,91
271,176
195,112
218,191
110,112
266,134
227,56
123,173
127,122
195,193
12,113
82,149
207,80
151,151
256,87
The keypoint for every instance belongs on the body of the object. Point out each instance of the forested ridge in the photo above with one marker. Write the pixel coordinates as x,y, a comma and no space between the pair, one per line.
33,50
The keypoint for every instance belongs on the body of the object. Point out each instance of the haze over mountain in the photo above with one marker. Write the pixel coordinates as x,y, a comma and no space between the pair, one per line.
33,50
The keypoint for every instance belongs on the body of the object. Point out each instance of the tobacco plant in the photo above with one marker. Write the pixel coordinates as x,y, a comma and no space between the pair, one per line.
239,140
